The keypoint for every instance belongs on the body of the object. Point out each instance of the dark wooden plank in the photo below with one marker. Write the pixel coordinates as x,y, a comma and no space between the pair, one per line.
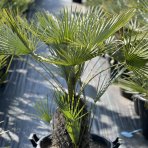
113,113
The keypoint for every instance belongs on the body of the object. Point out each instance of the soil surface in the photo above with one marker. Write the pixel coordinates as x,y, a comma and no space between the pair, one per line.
96,145
92,145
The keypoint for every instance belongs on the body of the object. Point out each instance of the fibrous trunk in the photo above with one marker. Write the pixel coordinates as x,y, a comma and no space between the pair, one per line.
60,136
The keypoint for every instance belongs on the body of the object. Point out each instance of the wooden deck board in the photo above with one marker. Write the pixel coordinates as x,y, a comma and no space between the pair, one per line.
113,114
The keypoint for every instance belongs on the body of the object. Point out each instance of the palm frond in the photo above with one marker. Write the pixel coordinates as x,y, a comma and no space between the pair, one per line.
134,84
137,26
43,110
5,62
10,43
15,35
113,6
136,55
75,38
99,77
72,39
20,5
143,6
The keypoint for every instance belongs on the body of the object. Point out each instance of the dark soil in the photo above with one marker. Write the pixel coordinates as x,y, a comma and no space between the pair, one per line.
97,145
92,145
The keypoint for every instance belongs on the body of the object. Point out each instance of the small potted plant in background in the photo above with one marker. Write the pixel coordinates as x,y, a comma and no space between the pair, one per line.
140,86
72,39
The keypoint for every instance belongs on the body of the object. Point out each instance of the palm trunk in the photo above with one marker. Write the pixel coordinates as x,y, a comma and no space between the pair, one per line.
60,136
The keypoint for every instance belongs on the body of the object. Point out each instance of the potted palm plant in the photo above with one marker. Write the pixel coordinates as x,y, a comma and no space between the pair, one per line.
72,39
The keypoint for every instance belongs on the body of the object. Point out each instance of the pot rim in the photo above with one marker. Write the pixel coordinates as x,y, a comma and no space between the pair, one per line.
140,97
102,137
92,136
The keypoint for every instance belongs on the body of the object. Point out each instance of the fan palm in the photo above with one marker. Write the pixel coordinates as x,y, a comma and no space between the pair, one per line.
20,5
115,6
140,19
72,39
137,80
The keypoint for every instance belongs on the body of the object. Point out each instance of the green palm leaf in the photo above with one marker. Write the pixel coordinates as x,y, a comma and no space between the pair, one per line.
134,84
136,55
5,62
143,6
15,35
43,110
10,43
74,39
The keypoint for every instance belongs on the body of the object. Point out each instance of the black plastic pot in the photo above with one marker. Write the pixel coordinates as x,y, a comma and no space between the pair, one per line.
77,1
45,142
135,99
101,140
128,94
143,113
